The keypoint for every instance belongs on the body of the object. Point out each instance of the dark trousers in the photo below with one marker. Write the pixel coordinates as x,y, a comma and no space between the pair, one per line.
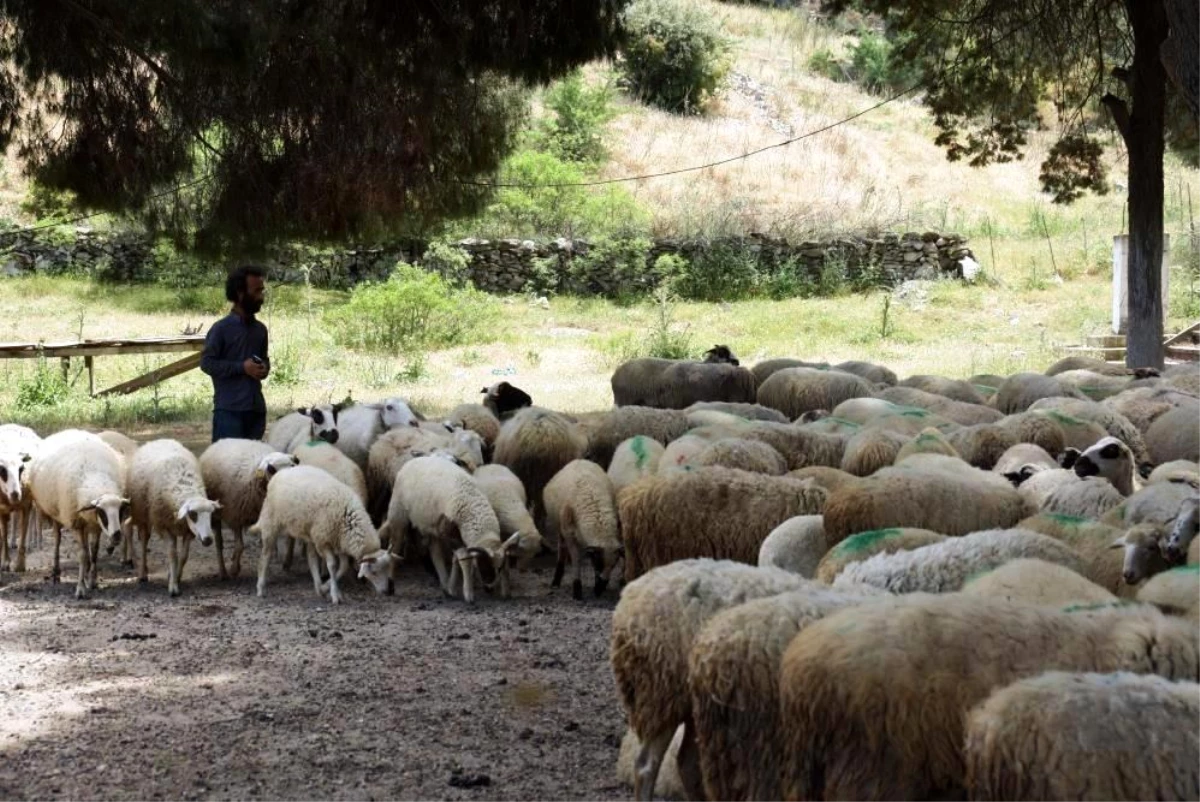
246,425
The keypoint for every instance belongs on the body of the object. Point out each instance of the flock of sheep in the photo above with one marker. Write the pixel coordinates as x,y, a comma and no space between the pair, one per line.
836,584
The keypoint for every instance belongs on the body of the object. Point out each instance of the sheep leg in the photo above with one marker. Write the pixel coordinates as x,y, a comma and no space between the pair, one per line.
84,553
688,762
185,548
314,568
560,566
219,544
264,559
239,546
94,558
144,570
577,585
56,572
437,552
5,545
649,761
173,567
22,531
289,554
331,562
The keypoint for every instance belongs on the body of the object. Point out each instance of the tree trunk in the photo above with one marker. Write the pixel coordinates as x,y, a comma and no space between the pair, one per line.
1181,51
1144,138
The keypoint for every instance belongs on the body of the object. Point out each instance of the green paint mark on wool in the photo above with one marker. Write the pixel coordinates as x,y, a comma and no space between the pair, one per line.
928,437
1066,420
864,540
1186,569
1065,520
1083,608
985,389
314,442
913,412
639,450
842,422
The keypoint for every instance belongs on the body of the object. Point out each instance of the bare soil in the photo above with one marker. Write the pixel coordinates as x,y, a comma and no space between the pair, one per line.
218,694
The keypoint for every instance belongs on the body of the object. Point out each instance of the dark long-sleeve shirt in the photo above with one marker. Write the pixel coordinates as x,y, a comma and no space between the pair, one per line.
230,342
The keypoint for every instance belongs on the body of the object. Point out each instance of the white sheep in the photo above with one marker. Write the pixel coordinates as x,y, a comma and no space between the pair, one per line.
167,495
946,566
1021,461
1176,591
1157,503
334,462
1063,735
1184,531
306,423
394,448
581,516
126,447
360,425
1110,459
78,482
796,545
453,520
310,505
506,494
18,446
634,458
236,473
1037,582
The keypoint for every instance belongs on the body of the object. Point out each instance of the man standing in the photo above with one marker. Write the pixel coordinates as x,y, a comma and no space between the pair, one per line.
235,355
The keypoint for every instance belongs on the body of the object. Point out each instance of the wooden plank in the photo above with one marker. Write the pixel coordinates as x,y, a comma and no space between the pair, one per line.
1183,335
1184,353
113,347
155,376
90,363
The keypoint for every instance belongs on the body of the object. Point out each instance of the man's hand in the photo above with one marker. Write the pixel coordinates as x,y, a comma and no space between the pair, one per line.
254,369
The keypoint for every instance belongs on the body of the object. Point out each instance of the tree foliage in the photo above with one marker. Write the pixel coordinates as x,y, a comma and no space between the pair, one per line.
316,119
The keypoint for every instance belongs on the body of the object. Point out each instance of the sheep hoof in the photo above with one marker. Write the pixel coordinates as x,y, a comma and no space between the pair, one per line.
174,592
391,588
601,586
577,589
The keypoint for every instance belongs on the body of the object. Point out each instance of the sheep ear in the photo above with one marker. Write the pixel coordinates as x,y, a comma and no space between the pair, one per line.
512,544
304,411
1068,457
1015,477
1119,543
26,457
91,505
183,510
216,505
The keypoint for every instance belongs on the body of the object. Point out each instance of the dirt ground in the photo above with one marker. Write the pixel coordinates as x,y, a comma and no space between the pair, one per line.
218,694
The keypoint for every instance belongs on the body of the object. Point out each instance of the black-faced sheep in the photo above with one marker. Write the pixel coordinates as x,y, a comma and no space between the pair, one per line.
708,512
503,400
306,423
1114,423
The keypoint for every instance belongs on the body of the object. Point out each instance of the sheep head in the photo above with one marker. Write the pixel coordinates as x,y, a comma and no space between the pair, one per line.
1110,459
721,353
198,512
322,421
491,565
107,513
378,568
272,464
12,467
1184,530
1144,556
396,413
603,562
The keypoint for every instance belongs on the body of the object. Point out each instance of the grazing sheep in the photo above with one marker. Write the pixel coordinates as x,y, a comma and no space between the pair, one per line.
960,412
874,698
307,504
78,482
634,458
871,449
167,496
606,430
794,391
535,444
236,473
746,455
504,400
669,785
394,448
677,384
864,545
1020,461
334,462
710,512
479,419
926,491
733,674
581,517
981,445
1143,405
1086,363
1176,469
1184,531
452,520
1066,735
678,452
796,545
876,374
1037,429
18,446
1021,390
1035,581
306,423
946,566
1174,435
1092,541
506,494
125,446
747,411
954,389
360,425
928,441
1114,423
823,476
1175,591
653,629
768,367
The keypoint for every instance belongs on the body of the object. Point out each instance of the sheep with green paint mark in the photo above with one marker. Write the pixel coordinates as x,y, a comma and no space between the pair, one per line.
745,455
607,430
960,412
1092,541
954,389
864,545
634,458
928,441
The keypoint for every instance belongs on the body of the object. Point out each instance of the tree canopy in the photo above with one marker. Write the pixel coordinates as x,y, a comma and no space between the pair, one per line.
309,119
991,67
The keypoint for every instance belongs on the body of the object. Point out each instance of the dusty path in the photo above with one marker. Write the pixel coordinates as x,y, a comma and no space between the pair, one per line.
219,694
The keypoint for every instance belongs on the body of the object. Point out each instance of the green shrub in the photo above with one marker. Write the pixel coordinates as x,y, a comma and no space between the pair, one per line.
412,311
576,131
287,365
448,261
675,55
824,63
621,258
46,388
719,272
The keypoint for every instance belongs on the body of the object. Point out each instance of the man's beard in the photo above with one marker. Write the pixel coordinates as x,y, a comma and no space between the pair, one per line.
251,306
